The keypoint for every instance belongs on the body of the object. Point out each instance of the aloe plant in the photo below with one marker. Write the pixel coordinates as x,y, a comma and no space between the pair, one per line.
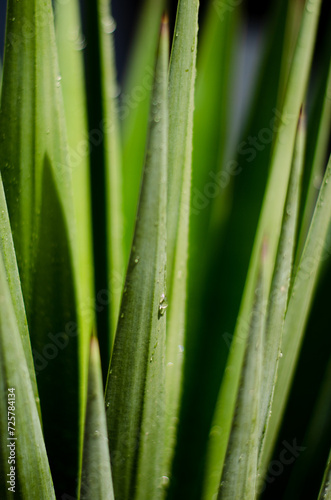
159,264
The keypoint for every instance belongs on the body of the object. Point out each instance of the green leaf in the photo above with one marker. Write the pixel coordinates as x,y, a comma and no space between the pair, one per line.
239,474
134,108
278,298
136,382
96,481
319,127
7,252
113,166
181,105
36,175
269,226
302,293
218,232
70,43
325,491
26,444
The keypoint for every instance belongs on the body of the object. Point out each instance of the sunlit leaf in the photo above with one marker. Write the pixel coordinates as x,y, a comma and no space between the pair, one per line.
135,398
134,108
181,105
96,482
22,451
269,226
315,251
37,182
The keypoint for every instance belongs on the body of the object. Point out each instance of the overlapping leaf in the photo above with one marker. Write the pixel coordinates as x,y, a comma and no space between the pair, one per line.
134,107
269,226
181,106
315,251
22,449
96,480
36,176
135,396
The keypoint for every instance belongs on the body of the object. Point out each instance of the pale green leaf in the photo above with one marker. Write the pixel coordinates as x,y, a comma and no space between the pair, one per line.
181,106
239,474
134,108
301,296
113,165
26,444
269,226
70,43
96,482
135,398
278,298
36,175
7,252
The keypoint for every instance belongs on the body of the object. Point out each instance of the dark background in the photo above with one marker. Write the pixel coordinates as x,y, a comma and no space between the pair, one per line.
126,14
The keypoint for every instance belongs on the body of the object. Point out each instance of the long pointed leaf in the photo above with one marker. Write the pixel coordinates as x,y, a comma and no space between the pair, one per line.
36,176
22,452
134,107
239,475
96,474
7,252
135,388
269,225
113,178
70,43
279,290
305,280
181,105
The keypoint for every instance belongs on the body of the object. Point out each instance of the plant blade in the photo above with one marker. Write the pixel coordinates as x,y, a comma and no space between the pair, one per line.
113,166
7,252
135,387
70,43
278,298
240,467
271,217
96,483
134,109
37,183
181,104
315,251
24,443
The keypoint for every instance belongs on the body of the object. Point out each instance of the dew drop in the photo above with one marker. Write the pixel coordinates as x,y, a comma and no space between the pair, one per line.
165,480
170,364
311,6
108,24
280,354
136,260
163,305
181,348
